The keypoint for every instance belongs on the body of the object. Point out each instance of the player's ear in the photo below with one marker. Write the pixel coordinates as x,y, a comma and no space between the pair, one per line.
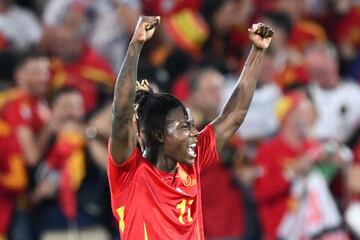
158,135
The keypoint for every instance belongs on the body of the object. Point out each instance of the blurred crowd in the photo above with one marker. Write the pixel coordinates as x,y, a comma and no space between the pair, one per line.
291,172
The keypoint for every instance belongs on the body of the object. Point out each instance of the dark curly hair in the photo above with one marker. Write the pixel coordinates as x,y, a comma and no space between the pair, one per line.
151,109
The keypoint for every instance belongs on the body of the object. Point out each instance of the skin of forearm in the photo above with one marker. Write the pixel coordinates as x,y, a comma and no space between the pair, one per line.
122,132
44,137
124,94
29,145
237,106
239,102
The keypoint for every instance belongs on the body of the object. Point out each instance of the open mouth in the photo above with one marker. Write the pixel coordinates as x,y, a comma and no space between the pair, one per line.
191,149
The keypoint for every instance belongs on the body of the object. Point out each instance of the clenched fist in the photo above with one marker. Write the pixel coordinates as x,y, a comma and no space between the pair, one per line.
145,28
260,35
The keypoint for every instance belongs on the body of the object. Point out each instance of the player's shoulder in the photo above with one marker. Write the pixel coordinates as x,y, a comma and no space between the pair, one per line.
206,137
207,130
136,163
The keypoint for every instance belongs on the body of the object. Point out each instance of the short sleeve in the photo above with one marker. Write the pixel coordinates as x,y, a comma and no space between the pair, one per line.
120,175
206,148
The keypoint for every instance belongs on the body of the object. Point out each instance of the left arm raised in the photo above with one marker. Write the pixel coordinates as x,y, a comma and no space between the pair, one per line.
237,106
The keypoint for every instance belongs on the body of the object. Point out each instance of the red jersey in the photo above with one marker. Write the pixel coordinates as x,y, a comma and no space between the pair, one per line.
151,204
23,109
20,109
17,109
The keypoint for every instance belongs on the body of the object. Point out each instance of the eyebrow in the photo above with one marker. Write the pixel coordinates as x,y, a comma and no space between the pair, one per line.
190,120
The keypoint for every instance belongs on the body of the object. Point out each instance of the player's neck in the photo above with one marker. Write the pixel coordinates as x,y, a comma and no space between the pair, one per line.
163,163
166,164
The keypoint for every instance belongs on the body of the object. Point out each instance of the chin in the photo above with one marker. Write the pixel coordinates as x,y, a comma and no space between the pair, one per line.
190,161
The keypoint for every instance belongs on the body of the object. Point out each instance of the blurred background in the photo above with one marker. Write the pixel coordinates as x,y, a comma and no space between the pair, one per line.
292,171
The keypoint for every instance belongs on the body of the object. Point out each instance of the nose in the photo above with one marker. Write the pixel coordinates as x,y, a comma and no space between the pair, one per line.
194,132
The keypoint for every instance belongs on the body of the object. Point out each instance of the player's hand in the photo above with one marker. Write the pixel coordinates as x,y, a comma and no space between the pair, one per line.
260,35
145,28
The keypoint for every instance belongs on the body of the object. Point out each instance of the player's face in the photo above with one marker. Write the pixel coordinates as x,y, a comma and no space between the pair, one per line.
180,137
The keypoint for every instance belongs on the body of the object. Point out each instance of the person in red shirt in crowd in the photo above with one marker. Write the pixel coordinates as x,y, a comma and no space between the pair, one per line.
25,108
66,154
305,30
282,158
78,65
13,178
205,94
23,114
155,152
60,175
71,172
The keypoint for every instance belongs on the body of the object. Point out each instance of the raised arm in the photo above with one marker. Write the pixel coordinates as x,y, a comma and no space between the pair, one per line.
237,106
123,136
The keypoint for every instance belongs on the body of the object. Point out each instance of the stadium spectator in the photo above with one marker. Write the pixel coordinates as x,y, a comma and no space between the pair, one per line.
337,101
288,64
305,30
24,114
282,161
69,182
78,65
25,108
228,20
275,156
107,24
205,95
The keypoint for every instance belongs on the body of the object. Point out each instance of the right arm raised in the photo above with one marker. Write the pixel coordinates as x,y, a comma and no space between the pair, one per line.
123,136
